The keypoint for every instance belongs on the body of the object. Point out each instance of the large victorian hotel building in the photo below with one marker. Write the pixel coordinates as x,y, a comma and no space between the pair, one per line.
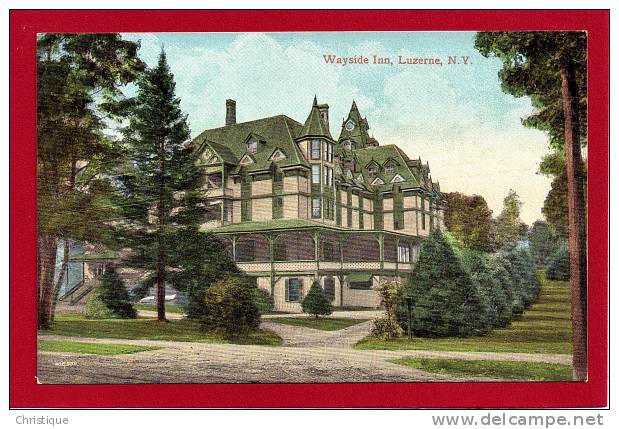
293,205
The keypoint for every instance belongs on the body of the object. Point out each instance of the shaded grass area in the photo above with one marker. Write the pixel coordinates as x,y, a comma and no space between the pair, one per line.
153,307
91,348
543,328
324,324
76,325
508,370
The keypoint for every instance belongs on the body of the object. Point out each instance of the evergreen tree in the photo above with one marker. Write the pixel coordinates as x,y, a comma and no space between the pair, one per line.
447,303
559,265
543,241
201,261
315,302
162,189
115,296
73,154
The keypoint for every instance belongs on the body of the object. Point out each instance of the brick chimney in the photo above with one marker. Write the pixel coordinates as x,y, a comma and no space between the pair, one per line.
230,112
324,114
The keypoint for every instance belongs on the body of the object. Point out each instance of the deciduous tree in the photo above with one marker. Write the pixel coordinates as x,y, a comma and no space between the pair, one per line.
76,75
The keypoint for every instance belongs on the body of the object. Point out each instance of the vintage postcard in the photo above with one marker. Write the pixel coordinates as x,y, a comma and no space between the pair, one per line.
301,207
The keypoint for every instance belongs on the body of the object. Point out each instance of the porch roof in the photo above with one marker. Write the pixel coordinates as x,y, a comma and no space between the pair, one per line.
294,224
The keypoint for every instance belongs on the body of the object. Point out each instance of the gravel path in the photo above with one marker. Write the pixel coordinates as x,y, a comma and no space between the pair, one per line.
307,356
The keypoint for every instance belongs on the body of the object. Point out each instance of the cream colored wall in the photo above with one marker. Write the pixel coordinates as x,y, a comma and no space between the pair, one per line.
291,206
422,232
304,184
303,145
303,207
388,204
410,202
368,221
343,197
261,209
361,298
236,187
388,221
368,204
355,218
262,187
291,184
236,215
410,223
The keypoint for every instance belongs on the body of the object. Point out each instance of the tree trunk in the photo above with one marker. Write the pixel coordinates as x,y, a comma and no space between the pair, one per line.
576,220
56,291
47,255
161,254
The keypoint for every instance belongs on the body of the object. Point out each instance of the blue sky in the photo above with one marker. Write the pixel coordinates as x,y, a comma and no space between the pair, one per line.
454,116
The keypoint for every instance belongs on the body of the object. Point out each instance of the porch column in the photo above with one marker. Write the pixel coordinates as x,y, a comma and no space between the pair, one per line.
381,250
271,239
234,238
397,258
316,238
341,275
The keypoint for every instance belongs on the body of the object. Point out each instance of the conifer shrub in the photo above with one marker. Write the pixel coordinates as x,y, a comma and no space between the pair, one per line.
558,267
520,265
229,309
315,302
115,295
263,300
96,308
387,327
447,301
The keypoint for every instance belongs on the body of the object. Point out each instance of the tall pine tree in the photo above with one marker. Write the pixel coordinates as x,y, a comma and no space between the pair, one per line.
551,68
162,187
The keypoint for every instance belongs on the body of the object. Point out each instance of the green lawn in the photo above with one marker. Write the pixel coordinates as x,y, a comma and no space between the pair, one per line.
544,328
152,307
76,325
322,323
91,348
508,370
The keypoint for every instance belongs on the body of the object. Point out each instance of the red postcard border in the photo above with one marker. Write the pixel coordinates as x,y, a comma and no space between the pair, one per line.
26,393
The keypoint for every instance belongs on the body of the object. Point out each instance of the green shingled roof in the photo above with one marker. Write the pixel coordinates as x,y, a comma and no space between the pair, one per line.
314,125
382,155
229,142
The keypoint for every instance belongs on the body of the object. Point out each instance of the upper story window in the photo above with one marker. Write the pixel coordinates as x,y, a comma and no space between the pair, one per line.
390,169
315,174
315,149
347,145
252,146
328,179
316,207
328,152
373,171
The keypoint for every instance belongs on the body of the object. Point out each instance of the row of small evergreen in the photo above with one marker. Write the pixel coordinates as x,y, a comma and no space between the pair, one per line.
459,293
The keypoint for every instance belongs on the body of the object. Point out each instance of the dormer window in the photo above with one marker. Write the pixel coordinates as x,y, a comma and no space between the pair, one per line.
347,144
390,169
397,179
315,149
373,171
252,146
